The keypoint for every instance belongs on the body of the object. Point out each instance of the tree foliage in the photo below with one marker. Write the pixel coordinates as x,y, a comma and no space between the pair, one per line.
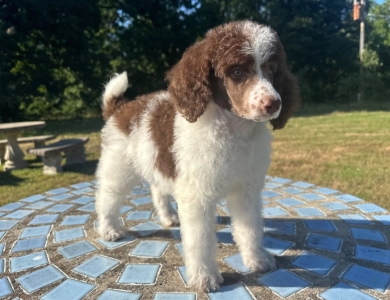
56,55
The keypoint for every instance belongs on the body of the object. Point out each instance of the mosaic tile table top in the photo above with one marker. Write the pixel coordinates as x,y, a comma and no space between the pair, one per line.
328,245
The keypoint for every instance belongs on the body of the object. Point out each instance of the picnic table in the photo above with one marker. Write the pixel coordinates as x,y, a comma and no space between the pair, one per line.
14,155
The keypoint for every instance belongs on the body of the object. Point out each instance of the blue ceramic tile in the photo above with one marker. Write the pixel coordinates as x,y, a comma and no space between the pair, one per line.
124,208
58,191
292,190
96,266
385,219
302,184
150,249
225,236
60,208
281,180
272,185
176,233
118,243
28,261
344,291
68,234
7,224
309,212
348,198
118,295
2,233
146,228
314,263
75,220
320,225
326,191
33,198
77,249
279,227
276,246
311,197
40,278
137,192
139,215
234,291
283,283
140,274
324,242
270,194
35,231
5,287
141,201
289,202
236,262
367,277
84,200
90,207
355,219
183,274
81,185
29,244
368,234
179,247
12,206
44,219
60,197
19,214
335,206
2,265
174,296
69,289
373,254
265,202
370,208
86,190
2,214
39,205
275,211
1,249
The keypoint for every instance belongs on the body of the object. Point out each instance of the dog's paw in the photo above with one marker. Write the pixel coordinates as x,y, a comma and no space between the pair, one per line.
168,220
262,262
112,233
207,283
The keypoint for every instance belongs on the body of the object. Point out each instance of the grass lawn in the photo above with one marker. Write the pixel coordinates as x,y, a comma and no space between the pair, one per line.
338,147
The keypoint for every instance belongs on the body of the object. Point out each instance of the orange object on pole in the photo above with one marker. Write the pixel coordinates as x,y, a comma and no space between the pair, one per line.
356,11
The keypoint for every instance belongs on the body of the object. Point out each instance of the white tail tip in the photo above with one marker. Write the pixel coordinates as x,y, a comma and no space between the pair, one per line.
116,86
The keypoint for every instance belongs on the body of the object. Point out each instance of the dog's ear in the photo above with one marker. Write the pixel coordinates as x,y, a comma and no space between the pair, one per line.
287,86
189,82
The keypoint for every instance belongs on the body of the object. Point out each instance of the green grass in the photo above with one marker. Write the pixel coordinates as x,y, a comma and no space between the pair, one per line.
347,150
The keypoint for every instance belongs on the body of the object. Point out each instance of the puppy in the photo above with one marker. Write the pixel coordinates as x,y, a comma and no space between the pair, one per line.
204,139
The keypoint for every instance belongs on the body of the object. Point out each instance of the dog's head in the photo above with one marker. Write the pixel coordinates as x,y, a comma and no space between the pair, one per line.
241,66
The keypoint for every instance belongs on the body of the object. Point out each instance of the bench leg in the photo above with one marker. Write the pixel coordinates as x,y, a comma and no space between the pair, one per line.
2,154
52,164
75,155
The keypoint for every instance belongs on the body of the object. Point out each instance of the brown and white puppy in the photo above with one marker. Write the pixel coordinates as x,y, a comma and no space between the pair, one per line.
204,139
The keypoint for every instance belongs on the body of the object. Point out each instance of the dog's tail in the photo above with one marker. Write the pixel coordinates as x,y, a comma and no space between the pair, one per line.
113,94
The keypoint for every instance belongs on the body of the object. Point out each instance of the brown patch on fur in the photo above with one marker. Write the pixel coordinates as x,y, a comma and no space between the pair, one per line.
161,128
128,113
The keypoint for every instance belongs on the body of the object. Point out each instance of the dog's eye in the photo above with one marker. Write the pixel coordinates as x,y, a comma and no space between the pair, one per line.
238,72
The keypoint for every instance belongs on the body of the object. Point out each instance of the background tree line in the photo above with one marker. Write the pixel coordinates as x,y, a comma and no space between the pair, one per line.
55,55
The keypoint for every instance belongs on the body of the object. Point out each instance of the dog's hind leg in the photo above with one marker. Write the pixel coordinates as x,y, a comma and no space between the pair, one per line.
168,216
115,181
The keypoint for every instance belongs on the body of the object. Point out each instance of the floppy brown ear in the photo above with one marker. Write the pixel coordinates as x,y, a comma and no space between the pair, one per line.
287,86
189,82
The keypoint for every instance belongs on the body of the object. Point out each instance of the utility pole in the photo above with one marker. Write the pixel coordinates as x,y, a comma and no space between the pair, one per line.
359,13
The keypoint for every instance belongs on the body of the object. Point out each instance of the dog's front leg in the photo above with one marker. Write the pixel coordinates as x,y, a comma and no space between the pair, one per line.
197,217
245,208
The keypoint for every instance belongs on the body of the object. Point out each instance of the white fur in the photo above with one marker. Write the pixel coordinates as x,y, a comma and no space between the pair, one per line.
116,86
219,156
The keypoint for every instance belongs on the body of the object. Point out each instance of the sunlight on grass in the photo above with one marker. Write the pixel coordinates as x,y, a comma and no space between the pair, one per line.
346,151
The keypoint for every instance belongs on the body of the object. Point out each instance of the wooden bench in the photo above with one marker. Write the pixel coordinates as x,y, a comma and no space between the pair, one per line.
73,149
39,141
